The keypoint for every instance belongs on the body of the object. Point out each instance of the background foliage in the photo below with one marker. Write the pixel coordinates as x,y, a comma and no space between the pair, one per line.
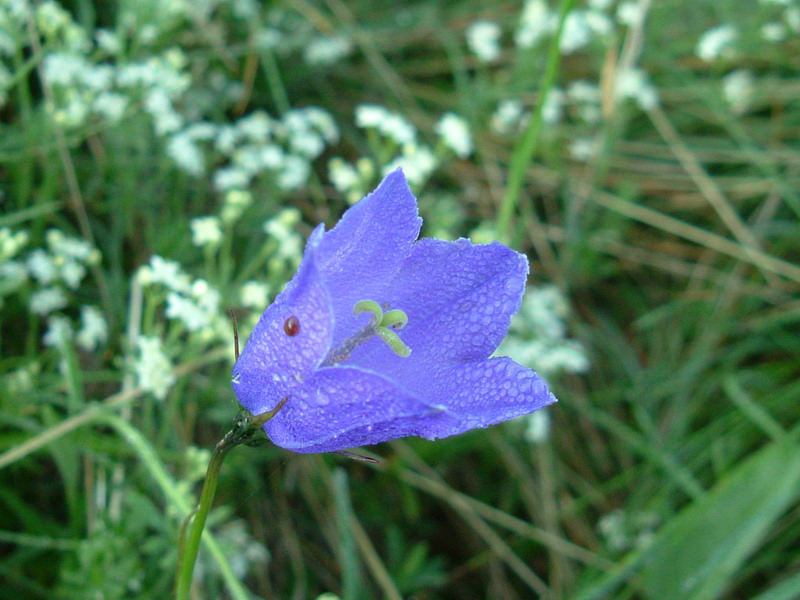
162,160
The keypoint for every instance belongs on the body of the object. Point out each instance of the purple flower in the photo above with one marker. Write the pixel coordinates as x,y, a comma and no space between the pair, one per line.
349,378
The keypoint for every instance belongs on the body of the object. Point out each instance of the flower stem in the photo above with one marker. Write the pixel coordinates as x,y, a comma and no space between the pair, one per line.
191,544
245,429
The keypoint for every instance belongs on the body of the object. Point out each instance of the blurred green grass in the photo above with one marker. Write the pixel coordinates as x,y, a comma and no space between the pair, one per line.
671,466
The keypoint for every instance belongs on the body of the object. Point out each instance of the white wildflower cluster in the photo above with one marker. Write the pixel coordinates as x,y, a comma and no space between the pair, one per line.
93,331
60,267
152,367
393,139
538,335
257,144
716,43
483,39
581,27
193,303
54,272
85,89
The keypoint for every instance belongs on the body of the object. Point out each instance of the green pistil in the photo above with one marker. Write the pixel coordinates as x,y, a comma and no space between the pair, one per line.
380,324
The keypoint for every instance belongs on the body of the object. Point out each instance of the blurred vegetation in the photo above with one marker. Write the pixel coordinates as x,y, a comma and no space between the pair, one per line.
661,202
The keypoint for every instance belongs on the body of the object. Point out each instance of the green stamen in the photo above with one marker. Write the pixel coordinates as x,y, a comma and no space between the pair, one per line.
396,319
380,324
394,342
369,306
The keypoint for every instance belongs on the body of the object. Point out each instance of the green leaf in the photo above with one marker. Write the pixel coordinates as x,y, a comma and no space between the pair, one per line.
700,551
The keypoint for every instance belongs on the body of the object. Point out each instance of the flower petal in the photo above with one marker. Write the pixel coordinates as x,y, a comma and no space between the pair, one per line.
482,393
459,298
360,256
344,407
274,362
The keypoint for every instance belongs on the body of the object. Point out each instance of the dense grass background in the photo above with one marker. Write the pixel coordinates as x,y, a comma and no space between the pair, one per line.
672,465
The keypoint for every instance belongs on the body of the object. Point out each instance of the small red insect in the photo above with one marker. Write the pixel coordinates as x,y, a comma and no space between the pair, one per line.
292,326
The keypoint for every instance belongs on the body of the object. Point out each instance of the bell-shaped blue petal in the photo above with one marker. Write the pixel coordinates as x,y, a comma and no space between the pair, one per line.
459,298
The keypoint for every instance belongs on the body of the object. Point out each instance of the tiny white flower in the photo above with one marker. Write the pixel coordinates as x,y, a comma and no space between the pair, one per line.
93,331
71,272
165,117
483,38
455,133
110,105
234,204
254,294
206,231
47,300
108,41
738,88
370,115
70,247
628,13
229,178
398,129
182,149
187,311
59,331
11,243
307,143
634,84
165,272
507,117
152,367
342,174
582,149
268,38
551,111
792,16
327,50
716,43
576,33
536,21
537,430
293,173
41,266
323,122
256,127
773,31
13,274
417,162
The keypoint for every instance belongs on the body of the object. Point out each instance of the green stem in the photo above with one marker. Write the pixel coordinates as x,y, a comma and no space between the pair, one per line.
188,553
523,153
246,428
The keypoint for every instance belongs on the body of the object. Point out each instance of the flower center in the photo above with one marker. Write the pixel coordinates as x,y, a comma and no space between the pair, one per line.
381,324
